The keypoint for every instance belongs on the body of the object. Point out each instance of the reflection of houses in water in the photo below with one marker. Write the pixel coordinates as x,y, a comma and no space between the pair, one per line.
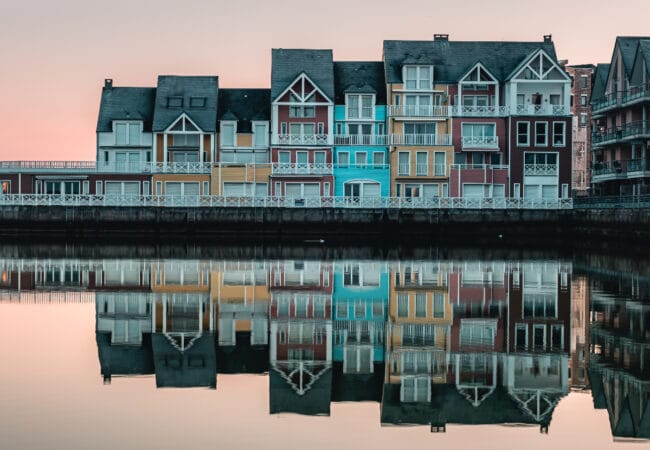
620,356
240,290
491,375
300,376
360,302
579,347
183,317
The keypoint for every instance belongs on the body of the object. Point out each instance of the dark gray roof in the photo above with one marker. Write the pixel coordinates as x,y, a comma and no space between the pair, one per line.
244,106
186,87
288,64
316,401
644,50
194,367
124,359
628,46
125,103
243,357
359,77
453,59
600,82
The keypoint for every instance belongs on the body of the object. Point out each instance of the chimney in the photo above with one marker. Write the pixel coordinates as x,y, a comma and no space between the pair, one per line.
441,37
548,38
108,83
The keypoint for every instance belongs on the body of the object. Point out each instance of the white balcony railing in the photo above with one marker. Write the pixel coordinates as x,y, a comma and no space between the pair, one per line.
480,141
136,167
541,110
479,111
420,139
301,169
10,166
302,139
418,111
540,169
283,202
361,139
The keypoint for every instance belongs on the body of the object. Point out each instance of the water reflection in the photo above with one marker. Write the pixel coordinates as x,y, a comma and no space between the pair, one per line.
434,342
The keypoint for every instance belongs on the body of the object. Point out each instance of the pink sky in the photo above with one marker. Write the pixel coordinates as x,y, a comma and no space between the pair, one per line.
55,55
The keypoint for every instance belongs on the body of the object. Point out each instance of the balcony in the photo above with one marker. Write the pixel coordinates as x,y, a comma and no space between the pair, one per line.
301,139
135,167
361,139
481,142
620,169
413,111
541,110
47,166
420,139
479,111
632,130
301,169
540,169
606,102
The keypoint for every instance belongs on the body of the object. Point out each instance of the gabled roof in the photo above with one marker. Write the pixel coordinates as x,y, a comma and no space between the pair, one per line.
288,64
194,367
600,81
359,77
316,401
243,357
452,59
125,103
517,70
628,46
644,51
244,106
124,359
186,87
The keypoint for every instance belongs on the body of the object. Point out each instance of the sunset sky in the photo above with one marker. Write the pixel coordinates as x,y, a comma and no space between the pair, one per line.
55,55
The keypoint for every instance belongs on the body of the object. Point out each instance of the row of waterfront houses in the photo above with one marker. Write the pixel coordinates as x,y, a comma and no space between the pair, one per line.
432,119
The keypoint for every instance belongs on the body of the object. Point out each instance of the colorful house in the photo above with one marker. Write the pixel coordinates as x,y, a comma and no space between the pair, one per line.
302,120
361,144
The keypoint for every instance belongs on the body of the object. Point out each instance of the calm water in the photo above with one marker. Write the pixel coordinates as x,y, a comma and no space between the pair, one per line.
288,353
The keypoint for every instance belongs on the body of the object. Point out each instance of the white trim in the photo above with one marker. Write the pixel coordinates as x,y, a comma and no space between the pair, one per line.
529,60
563,144
303,76
175,121
545,144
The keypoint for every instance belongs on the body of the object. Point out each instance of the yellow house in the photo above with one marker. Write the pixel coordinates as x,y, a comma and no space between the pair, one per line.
240,180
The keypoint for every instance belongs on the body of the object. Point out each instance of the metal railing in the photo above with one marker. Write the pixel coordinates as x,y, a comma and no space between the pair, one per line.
618,167
301,169
627,131
635,93
302,139
605,102
420,139
540,169
283,202
480,141
361,139
418,111
612,202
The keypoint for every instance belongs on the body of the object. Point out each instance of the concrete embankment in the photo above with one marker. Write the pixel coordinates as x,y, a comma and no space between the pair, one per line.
331,223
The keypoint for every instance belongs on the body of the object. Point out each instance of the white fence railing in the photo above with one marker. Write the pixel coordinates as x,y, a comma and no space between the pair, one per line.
302,139
301,169
361,139
106,167
540,169
479,111
480,141
420,139
283,202
418,111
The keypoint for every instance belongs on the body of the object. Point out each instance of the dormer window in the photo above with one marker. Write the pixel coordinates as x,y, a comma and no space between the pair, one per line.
260,134
127,133
197,102
418,77
228,130
175,102
360,106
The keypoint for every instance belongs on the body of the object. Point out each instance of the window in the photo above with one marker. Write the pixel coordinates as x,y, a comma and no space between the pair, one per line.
197,102
541,159
557,337
475,100
98,188
228,130
521,336
304,129
583,100
523,134
359,106
541,134
565,190
583,119
361,159
344,159
174,102
127,133
418,105
260,135
342,310
438,305
378,159
481,133
402,305
583,81
321,128
418,77
420,305
419,128
283,128
421,163
5,187
539,337
302,111
440,166
558,134
319,159
404,163
356,129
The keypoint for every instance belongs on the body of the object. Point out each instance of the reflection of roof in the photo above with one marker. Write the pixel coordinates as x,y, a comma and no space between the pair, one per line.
243,357
315,401
348,387
194,367
447,405
124,359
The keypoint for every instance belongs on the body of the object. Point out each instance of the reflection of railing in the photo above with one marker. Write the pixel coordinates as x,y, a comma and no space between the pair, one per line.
283,202
480,141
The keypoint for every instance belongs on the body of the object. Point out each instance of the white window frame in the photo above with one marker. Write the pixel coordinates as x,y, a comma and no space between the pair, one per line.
359,115
435,166
227,123
542,327
419,69
583,100
424,172
520,143
563,134
399,171
545,144
523,326
98,188
338,159
264,124
127,124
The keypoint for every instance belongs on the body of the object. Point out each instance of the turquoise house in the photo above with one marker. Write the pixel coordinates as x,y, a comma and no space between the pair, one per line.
361,167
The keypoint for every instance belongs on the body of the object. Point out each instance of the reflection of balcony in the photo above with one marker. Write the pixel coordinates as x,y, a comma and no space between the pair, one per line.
418,111
361,139
542,110
302,139
301,169
490,142
420,139
540,169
